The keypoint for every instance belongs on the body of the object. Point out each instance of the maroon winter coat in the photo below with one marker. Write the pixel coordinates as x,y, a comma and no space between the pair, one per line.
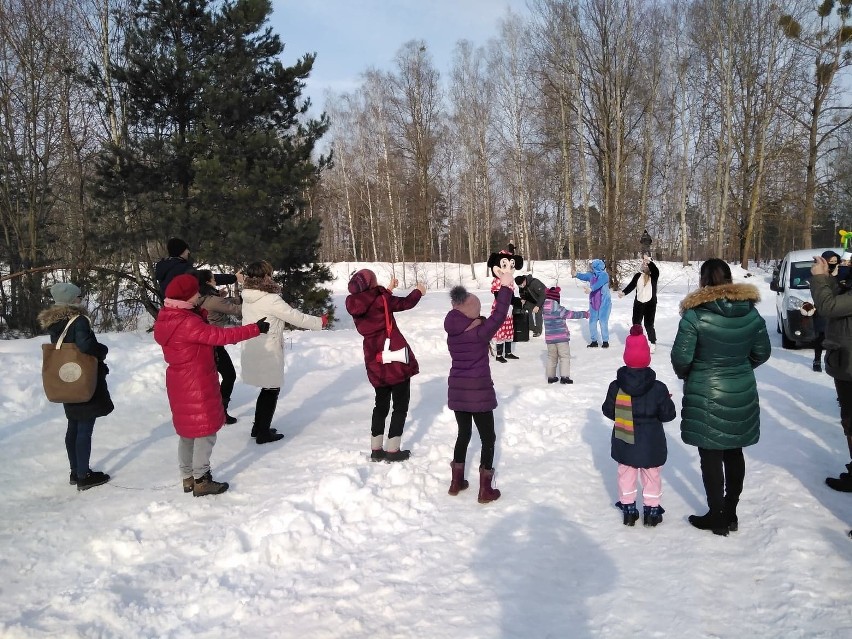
367,310
192,381
470,386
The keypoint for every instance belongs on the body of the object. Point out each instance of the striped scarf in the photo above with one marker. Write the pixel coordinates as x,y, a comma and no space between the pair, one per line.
623,417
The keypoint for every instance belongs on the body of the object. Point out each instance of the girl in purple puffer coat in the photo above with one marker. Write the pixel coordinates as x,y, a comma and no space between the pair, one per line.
471,392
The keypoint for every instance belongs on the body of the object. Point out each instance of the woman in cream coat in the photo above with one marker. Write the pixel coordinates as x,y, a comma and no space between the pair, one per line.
263,358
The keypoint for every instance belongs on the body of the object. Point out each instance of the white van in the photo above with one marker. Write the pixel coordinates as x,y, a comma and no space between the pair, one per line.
793,289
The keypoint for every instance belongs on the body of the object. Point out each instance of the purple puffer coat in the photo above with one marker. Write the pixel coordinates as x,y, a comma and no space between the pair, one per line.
470,386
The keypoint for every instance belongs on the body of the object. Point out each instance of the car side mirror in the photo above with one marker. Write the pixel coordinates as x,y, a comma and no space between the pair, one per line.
773,286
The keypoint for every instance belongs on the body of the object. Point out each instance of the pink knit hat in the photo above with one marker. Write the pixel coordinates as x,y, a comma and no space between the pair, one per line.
467,303
637,353
362,280
553,293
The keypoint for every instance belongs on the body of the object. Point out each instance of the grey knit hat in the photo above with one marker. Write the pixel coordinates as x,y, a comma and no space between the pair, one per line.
65,292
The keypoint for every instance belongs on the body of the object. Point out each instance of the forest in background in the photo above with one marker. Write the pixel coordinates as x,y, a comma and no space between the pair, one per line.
720,126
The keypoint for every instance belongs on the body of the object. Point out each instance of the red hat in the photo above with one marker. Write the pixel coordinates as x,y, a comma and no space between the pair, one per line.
183,287
553,293
637,353
362,280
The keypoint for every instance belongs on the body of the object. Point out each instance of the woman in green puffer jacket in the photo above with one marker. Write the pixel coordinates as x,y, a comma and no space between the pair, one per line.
720,340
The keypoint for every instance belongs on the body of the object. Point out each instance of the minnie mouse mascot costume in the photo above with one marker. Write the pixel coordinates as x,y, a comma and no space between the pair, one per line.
506,333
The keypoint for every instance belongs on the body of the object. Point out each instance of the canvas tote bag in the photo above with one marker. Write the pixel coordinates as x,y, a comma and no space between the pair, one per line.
69,376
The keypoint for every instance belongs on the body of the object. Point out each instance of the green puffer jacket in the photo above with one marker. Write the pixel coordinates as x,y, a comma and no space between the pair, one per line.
720,340
836,306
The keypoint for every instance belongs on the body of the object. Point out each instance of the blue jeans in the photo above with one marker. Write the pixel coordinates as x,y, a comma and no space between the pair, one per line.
78,444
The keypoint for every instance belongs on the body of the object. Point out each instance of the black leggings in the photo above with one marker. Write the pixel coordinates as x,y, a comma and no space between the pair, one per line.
646,311
485,425
226,369
723,472
401,393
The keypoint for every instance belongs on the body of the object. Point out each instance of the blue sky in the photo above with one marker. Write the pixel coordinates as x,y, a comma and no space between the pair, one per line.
349,36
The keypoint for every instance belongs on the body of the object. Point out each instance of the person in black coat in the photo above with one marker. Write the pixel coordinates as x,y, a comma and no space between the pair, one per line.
81,416
178,262
532,293
645,303
639,404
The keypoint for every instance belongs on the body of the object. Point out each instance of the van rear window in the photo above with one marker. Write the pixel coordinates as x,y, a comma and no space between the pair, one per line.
800,274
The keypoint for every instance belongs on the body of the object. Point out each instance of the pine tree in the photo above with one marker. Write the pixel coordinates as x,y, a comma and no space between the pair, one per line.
218,148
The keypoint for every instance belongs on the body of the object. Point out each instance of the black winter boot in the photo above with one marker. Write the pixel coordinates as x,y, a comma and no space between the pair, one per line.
652,515
93,478
842,484
604,344
566,380
500,357
264,409
592,345
631,514
509,354
731,513
714,520
552,380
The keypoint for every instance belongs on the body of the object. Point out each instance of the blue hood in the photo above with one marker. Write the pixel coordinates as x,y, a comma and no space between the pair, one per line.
598,266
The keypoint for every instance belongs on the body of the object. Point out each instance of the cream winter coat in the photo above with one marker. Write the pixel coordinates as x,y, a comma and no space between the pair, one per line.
263,357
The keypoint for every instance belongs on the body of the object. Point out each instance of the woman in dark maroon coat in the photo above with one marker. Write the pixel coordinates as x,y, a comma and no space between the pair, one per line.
372,307
470,389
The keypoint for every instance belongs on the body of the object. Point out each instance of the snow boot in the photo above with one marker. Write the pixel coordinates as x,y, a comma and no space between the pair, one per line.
458,482
652,515
509,354
842,475
268,436
631,515
500,357
842,484
566,380
731,513
552,380
393,452
206,485
230,419
188,483
714,520
604,344
486,492
817,366
72,479
93,478
592,345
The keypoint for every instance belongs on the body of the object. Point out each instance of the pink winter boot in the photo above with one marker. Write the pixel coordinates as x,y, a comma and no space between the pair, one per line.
458,483
486,492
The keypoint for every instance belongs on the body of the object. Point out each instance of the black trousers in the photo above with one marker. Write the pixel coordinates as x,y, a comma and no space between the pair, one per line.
264,409
226,369
401,394
485,425
644,313
723,473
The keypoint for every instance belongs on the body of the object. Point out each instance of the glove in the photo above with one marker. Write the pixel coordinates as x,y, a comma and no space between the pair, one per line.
324,320
263,325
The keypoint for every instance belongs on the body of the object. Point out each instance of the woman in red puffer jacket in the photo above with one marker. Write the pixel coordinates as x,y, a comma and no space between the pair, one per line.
192,381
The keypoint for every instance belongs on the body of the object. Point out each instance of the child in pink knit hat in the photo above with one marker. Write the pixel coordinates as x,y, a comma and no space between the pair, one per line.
639,404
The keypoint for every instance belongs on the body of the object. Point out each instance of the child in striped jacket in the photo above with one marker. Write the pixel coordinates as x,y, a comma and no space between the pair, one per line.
639,404
557,336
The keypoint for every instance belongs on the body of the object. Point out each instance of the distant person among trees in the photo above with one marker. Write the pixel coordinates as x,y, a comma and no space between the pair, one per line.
505,335
834,303
192,382
531,291
263,359
81,416
645,302
179,262
600,301
388,358
218,309
470,392
720,340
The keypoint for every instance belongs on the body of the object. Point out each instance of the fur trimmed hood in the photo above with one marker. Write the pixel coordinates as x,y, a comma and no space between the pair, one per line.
729,292
61,312
259,284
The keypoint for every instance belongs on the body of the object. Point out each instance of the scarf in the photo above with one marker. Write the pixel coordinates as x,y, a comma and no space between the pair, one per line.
172,303
623,429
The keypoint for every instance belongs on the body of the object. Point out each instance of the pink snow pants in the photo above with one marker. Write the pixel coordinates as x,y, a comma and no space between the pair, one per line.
652,484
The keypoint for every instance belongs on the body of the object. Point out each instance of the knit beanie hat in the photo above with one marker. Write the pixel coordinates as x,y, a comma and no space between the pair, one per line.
362,280
553,293
182,287
467,303
520,279
637,353
65,292
176,247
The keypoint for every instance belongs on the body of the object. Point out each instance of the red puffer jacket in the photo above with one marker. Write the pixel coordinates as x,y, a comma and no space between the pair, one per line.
368,311
192,382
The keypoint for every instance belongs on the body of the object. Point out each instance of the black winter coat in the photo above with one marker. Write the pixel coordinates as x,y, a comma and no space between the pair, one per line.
80,333
169,268
652,405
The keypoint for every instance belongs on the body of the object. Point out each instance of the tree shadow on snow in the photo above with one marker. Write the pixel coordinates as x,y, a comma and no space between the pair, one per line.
542,568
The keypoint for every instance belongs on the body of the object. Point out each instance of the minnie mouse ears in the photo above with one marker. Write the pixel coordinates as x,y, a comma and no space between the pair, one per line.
496,259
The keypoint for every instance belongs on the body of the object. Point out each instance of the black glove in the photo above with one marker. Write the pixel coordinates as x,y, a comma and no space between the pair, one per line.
263,325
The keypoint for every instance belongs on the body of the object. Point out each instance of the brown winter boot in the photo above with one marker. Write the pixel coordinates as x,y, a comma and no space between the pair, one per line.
205,485
458,483
486,492
188,483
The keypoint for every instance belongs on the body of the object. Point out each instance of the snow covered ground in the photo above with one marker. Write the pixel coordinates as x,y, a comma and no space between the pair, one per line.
315,541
